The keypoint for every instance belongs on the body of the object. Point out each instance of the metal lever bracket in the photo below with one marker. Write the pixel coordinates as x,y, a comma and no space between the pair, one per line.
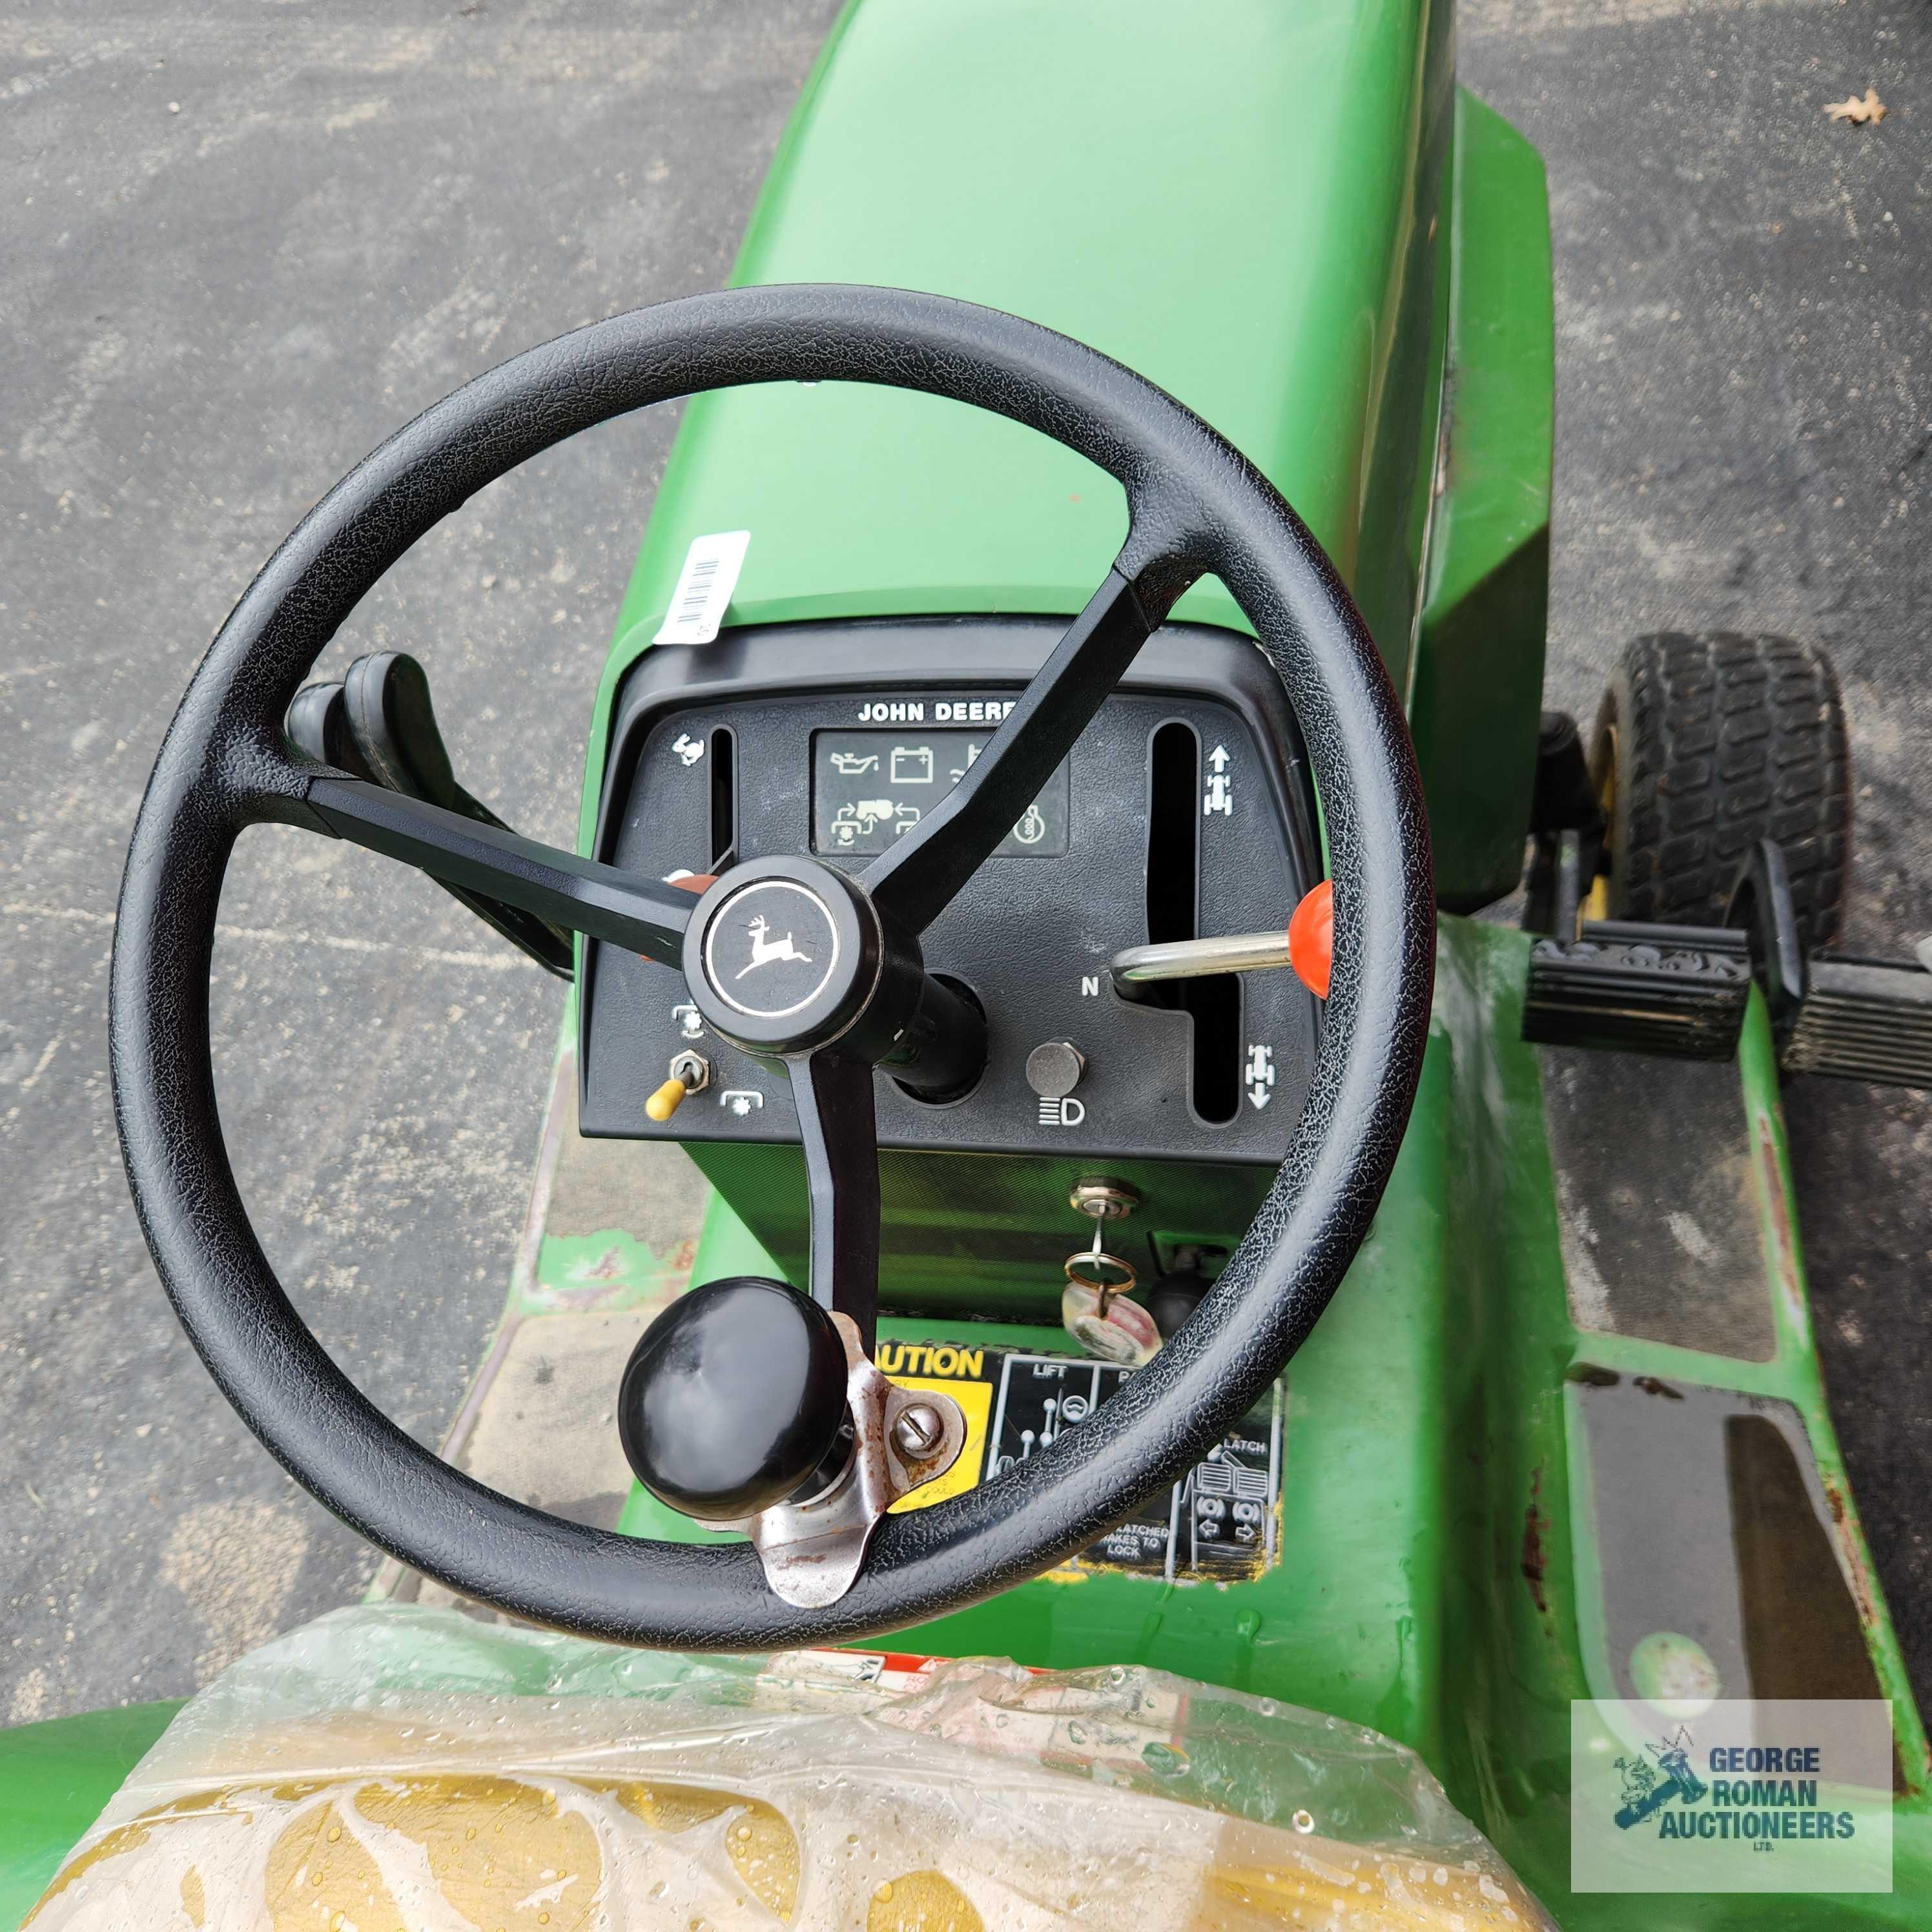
902,1440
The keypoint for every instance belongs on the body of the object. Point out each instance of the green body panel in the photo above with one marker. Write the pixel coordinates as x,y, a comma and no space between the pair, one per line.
1338,226
54,1779
1270,267
1428,1424
1478,689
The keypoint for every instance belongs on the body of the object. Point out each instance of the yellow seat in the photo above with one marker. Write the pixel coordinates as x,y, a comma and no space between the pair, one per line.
398,1846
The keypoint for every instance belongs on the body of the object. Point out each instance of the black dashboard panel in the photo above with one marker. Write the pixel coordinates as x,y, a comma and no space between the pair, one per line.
1183,809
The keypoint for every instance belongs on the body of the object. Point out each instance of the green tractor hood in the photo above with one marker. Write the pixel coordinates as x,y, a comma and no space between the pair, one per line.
1252,209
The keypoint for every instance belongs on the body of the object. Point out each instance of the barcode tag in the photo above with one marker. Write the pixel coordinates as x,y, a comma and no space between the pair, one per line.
704,588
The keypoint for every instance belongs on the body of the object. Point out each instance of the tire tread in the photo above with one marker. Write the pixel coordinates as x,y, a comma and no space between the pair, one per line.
1724,738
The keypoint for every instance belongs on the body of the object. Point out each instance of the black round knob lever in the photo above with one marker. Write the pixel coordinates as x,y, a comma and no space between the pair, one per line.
734,1399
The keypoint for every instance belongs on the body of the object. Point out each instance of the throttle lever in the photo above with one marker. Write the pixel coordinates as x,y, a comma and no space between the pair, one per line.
318,725
379,724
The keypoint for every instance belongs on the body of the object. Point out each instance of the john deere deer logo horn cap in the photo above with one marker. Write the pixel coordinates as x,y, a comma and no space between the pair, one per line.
771,950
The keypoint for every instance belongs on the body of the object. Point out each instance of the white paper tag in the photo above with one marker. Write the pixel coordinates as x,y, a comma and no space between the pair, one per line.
704,588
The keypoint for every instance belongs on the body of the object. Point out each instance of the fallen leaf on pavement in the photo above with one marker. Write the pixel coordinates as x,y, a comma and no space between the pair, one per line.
1871,109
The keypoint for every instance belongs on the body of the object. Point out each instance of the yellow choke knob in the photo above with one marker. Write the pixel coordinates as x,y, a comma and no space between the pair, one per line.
690,1073
666,1101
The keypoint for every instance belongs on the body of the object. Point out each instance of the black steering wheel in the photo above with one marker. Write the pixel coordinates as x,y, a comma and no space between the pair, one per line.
1195,506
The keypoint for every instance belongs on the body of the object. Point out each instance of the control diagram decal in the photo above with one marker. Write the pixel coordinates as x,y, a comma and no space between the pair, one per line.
1218,1524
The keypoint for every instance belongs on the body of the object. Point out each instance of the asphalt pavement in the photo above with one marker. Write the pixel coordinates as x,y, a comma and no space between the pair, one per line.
240,245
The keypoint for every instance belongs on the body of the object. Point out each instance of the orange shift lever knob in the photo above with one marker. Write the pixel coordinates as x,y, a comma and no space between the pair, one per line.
1311,939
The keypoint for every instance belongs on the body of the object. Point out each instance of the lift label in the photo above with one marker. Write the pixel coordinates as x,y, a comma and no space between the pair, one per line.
1219,1524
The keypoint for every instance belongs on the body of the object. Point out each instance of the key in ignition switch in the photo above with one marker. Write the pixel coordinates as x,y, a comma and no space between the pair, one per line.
1094,1308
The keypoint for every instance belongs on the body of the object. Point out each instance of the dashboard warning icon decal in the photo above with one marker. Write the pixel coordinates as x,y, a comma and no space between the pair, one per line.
1260,1076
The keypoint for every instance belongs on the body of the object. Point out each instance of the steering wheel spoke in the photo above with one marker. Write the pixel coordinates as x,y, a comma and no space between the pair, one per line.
837,1123
915,880
580,895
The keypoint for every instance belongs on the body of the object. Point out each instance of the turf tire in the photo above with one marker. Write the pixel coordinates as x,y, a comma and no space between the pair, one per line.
1707,742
